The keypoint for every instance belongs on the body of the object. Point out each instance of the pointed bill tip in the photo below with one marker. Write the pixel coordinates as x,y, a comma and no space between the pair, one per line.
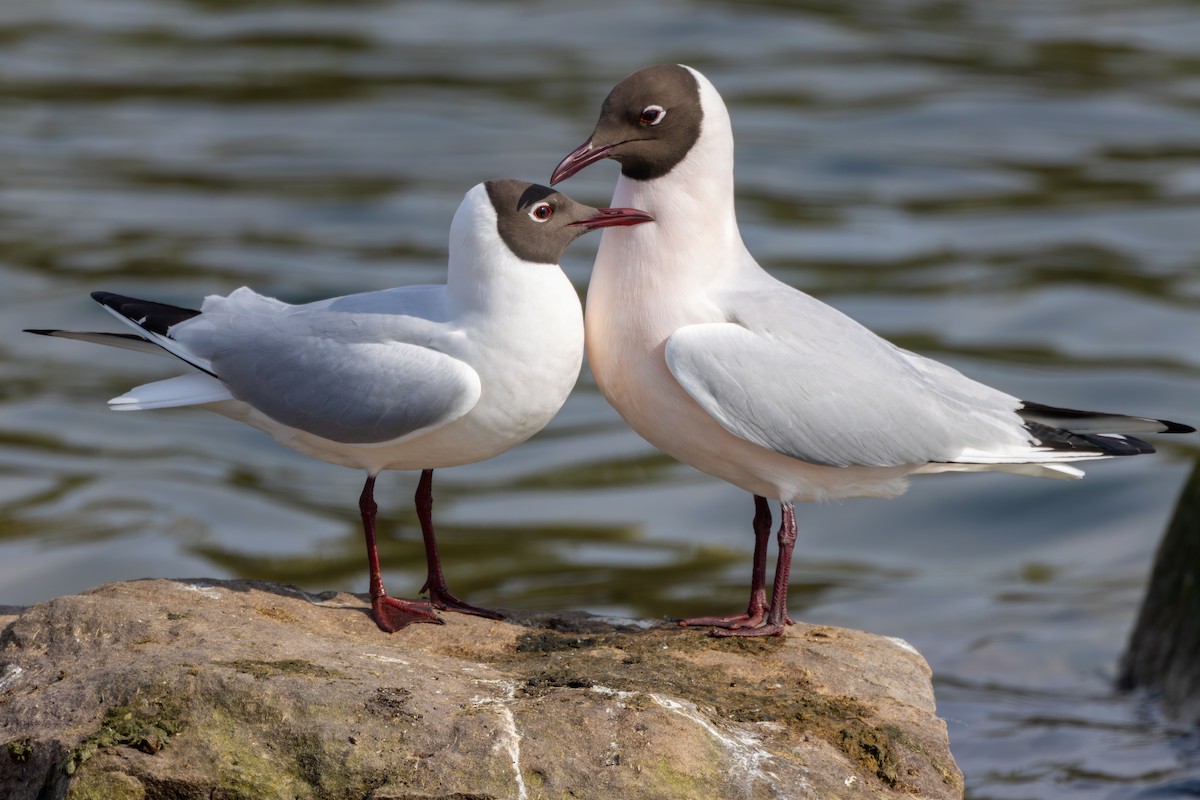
613,218
582,156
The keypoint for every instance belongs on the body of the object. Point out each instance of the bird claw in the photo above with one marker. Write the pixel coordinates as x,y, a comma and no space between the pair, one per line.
392,614
442,600
749,623
746,619
770,629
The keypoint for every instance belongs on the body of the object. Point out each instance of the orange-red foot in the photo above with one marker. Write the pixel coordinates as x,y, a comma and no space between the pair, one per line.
392,614
442,599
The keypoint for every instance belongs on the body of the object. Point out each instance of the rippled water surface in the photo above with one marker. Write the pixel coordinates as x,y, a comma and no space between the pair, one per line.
1011,187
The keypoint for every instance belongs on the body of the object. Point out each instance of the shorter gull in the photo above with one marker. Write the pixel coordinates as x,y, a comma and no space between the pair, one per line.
417,377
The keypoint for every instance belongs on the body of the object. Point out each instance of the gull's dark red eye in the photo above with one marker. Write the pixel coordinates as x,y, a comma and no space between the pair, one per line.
541,212
652,115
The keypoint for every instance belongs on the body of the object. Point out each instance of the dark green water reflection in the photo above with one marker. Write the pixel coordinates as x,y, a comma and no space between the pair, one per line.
1012,187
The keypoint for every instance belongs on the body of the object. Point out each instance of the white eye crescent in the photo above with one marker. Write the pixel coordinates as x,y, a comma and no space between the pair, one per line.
652,115
541,212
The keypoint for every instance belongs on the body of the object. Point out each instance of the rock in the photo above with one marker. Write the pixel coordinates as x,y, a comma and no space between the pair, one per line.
236,689
1164,648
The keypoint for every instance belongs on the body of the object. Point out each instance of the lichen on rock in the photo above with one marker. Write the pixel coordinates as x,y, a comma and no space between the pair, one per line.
165,689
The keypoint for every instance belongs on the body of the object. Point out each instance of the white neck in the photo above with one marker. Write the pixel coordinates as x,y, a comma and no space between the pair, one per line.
482,271
504,294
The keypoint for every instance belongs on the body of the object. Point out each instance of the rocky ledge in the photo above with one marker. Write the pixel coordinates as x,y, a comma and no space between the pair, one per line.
237,689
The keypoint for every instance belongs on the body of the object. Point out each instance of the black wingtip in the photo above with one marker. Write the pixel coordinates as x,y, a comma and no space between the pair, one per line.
1077,421
1054,438
154,317
107,298
40,331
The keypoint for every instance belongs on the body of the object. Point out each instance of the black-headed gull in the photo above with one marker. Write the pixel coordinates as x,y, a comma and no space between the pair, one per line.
742,376
418,377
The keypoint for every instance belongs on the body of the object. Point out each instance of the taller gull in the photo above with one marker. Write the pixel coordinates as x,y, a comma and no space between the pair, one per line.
417,377
725,368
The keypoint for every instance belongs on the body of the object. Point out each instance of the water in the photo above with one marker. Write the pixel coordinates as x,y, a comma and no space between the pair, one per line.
1011,187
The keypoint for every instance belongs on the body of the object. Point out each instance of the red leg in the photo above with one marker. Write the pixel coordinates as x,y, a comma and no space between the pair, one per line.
435,581
757,609
390,613
777,619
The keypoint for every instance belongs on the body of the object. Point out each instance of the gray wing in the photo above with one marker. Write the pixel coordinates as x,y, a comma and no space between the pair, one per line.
348,370
793,375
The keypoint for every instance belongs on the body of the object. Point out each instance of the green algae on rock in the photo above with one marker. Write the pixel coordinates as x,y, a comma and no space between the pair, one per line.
166,689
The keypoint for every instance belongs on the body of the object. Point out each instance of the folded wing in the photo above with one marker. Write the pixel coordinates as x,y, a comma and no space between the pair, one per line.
326,369
804,380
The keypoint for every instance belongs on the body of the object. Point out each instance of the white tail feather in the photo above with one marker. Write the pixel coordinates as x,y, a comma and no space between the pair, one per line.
1054,471
186,390
1032,455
